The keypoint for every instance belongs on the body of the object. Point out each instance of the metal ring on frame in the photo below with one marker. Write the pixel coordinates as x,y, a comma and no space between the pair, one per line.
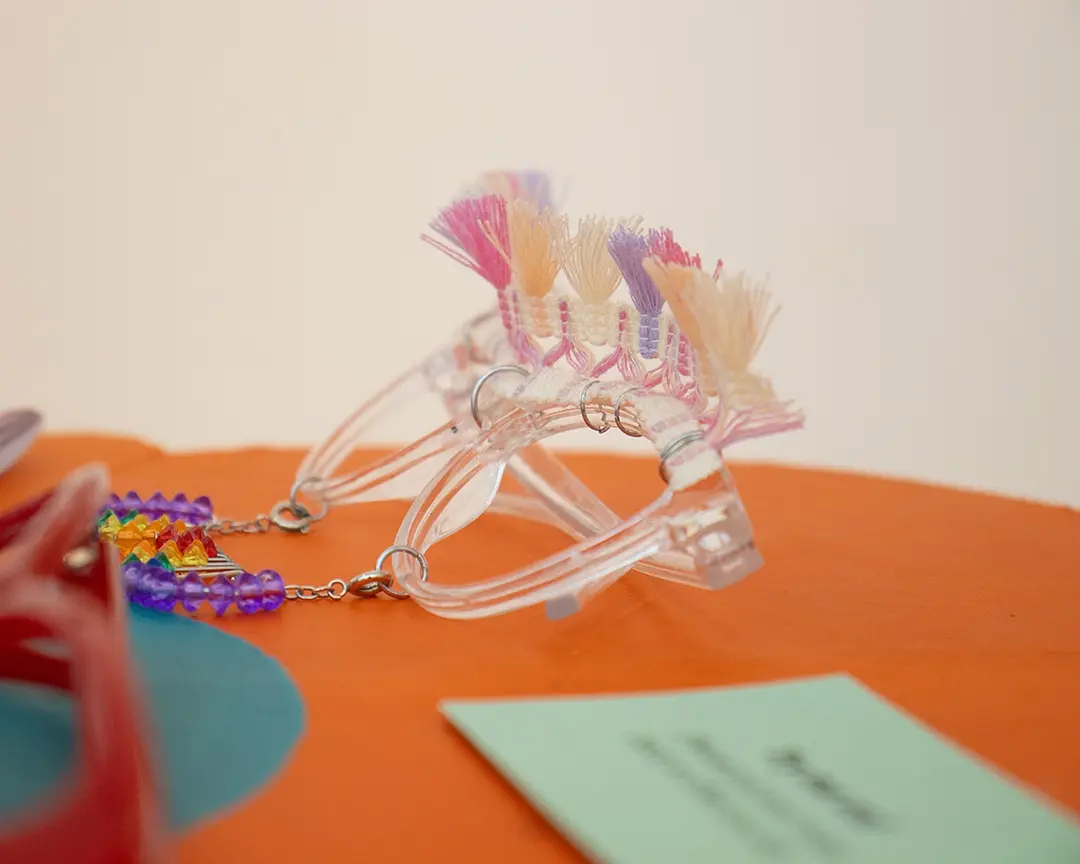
618,407
674,447
474,399
604,425
296,489
408,550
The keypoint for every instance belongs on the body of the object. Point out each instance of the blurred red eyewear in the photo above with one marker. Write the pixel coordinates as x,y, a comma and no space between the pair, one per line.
59,583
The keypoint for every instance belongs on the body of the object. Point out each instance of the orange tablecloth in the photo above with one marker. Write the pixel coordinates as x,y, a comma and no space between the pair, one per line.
960,607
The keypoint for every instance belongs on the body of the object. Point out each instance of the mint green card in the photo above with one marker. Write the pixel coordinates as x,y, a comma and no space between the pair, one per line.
814,770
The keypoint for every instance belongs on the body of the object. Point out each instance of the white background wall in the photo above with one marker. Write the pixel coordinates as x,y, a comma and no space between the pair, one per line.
209,209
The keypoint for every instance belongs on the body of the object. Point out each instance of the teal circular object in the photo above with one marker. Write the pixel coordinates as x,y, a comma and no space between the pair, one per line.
225,717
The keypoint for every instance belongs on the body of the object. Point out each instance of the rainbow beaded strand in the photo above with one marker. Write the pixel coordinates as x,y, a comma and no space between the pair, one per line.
167,556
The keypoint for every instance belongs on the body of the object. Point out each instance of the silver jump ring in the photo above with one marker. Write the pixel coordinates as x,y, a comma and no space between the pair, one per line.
296,489
337,588
474,400
298,521
604,425
618,409
408,550
674,447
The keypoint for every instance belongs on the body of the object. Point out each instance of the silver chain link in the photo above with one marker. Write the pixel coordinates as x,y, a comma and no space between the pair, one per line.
370,583
259,525
288,516
294,518
367,584
335,589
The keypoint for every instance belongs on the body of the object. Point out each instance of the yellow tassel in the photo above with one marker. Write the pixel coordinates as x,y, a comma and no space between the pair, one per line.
533,258
725,319
741,315
673,282
585,258
591,271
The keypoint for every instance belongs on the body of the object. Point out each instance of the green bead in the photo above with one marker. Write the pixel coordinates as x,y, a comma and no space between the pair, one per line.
163,561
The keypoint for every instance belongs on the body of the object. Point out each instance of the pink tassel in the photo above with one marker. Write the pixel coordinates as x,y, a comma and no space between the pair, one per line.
768,418
693,397
684,363
625,359
580,359
662,245
659,374
465,227
527,350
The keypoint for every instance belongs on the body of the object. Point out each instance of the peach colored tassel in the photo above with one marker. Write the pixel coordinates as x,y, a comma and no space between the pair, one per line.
591,271
725,323
736,314
533,259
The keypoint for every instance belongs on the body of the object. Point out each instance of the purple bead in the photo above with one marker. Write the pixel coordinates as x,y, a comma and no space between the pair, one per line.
161,589
130,573
192,592
202,510
156,505
181,508
131,578
115,503
137,577
130,502
249,593
273,588
221,594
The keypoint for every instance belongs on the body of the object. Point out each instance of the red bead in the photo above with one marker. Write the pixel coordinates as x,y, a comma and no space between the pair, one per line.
208,544
164,537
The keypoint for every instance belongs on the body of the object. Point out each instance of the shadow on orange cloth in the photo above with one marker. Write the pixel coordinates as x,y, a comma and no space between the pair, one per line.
960,607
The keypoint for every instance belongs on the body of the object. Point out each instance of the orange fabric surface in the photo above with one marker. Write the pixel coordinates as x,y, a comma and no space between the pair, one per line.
960,607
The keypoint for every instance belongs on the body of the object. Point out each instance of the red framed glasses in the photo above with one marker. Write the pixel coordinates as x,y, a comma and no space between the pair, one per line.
59,584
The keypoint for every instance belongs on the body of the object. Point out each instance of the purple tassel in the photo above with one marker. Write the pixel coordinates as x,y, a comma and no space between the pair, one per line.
629,251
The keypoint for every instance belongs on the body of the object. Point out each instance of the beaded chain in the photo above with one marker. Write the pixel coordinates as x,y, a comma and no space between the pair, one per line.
169,559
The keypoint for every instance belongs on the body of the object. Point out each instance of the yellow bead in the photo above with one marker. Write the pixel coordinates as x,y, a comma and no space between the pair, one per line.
128,534
170,551
159,525
144,551
107,530
195,555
